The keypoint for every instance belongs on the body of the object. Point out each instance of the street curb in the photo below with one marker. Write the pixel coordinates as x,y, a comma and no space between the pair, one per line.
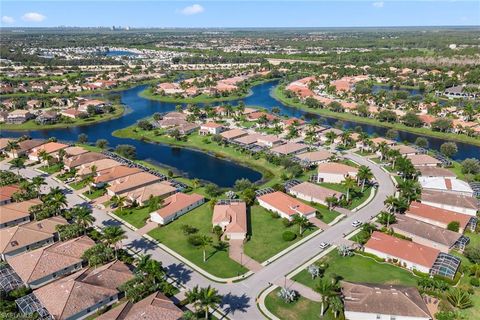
261,303
373,191
337,219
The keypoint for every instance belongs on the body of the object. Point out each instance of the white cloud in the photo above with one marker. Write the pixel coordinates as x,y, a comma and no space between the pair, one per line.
378,4
193,9
7,20
33,17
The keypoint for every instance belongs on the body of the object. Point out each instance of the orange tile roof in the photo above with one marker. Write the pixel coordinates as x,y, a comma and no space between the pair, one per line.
437,214
338,168
177,202
403,249
114,173
16,210
132,181
286,204
6,192
49,147
234,214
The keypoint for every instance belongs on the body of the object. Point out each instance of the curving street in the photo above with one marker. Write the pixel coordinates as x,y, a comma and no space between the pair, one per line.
240,297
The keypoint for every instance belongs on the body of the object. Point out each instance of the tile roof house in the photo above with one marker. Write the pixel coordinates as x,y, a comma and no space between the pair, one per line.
379,301
290,148
24,147
131,182
423,160
211,128
450,201
29,236
269,140
404,150
99,165
156,306
440,172
83,293
334,172
285,205
232,217
247,139
446,185
49,148
84,158
314,157
176,205
113,173
6,193
159,189
16,213
41,266
313,193
408,254
440,217
429,234
233,134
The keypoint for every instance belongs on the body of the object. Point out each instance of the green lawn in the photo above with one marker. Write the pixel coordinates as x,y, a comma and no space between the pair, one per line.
135,216
52,169
218,263
303,308
95,193
327,216
78,184
356,201
266,235
360,269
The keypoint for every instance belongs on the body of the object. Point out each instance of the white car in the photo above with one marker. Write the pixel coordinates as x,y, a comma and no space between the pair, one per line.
356,223
324,245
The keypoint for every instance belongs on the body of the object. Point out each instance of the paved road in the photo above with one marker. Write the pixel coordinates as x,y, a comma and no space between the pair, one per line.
239,298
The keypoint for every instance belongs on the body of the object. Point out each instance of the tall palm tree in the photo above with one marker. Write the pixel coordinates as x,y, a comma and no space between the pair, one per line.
17,163
390,202
209,298
302,222
83,217
326,289
56,201
331,202
118,201
37,182
204,242
192,297
12,145
349,183
336,305
364,174
112,235
61,154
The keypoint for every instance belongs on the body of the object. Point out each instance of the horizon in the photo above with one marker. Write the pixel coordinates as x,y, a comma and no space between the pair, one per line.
248,14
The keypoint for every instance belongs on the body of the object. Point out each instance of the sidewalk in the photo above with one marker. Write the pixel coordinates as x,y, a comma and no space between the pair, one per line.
235,252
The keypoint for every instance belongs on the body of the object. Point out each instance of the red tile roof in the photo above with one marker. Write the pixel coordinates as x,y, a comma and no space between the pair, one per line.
286,204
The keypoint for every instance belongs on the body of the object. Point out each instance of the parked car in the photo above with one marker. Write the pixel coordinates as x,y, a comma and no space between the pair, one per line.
356,223
324,245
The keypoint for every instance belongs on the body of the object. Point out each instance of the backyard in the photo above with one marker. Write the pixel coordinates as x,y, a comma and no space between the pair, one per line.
266,235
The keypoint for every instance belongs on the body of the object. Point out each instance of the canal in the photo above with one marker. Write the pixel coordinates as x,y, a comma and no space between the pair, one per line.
196,164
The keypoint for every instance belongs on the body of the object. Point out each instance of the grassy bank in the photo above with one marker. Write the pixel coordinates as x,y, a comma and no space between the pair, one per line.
33,125
203,98
280,96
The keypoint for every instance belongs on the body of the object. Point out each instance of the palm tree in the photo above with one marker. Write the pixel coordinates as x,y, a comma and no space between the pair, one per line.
364,174
386,218
410,189
302,222
83,217
118,201
12,145
327,289
209,298
390,202
18,163
204,242
383,148
336,304
192,296
331,202
331,136
56,201
37,182
61,154
113,235
349,183
195,183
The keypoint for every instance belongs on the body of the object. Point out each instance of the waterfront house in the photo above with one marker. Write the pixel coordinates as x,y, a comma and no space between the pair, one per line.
6,193
72,113
313,193
156,306
84,158
269,140
248,139
176,205
404,150
16,213
333,172
450,201
47,117
48,148
24,147
383,302
314,157
19,116
83,293
446,185
428,234
422,160
439,172
44,265
110,174
143,194
411,255
231,216
98,165
323,135
289,148
285,205
131,182
211,128
233,134
440,217
29,236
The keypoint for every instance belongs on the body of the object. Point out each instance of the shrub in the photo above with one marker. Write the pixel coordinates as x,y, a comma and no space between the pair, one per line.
289,236
475,282
274,215
454,226
195,240
287,223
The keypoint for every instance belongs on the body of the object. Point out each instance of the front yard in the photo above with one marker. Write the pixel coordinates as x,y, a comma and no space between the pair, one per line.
135,216
266,235
357,198
51,169
359,269
218,262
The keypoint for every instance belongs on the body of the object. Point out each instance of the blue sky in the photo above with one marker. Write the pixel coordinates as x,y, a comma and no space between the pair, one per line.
16,13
